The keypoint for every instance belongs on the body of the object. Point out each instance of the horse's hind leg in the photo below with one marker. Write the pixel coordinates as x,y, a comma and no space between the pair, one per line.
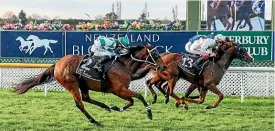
80,105
203,92
86,98
85,95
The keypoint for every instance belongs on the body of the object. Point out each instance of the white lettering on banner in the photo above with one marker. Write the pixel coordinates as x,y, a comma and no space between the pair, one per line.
250,39
257,50
79,50
131,37
88,38
166,48
75,49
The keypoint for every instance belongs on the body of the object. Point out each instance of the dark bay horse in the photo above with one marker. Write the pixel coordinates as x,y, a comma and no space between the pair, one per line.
119,76
209,78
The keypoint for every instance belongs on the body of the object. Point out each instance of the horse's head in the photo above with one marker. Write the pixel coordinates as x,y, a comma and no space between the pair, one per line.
238,51
18,38
147,54
32,37
225,45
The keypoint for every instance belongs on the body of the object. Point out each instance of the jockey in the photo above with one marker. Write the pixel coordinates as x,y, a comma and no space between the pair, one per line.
195,39
203,45
106,48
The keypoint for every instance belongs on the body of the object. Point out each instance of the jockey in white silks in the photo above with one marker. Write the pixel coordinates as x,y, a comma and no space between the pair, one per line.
202,45
104,48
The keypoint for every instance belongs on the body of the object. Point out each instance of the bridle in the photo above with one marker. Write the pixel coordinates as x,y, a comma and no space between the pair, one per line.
150,52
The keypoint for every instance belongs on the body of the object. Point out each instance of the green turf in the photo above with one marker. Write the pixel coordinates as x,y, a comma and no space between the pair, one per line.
57,111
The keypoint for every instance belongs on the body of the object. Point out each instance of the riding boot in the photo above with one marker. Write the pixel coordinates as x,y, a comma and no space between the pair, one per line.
197,63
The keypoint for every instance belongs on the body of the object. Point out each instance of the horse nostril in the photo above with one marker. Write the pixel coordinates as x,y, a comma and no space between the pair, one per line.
164,68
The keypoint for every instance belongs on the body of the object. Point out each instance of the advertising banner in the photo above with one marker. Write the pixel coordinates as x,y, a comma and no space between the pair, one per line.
32,44
235,15
79,43
258,43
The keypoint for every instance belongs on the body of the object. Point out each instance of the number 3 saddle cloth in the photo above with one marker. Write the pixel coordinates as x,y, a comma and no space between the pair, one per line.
186,64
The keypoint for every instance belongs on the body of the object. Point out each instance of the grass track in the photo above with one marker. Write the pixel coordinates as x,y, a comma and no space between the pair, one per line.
57,112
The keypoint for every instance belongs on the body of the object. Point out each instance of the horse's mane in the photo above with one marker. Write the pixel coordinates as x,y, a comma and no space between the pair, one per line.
133,50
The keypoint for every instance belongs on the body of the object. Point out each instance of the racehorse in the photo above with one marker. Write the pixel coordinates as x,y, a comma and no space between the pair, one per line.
119,76
210,76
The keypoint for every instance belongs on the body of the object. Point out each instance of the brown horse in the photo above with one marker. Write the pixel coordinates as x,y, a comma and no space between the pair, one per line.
209,78
119,75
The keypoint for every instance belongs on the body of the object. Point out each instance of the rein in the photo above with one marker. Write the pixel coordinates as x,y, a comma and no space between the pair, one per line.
146,60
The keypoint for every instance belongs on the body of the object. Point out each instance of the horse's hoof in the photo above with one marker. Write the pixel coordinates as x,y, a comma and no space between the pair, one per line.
154,101
97,124
177,105
114,108
108,109
166,100
208,107
185,107
150,116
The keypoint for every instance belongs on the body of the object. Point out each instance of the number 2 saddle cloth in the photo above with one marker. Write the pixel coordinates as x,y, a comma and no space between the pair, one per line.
87,70
186,64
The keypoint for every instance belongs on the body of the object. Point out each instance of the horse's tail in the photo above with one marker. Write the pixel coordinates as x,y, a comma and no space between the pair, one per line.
45,77
53,41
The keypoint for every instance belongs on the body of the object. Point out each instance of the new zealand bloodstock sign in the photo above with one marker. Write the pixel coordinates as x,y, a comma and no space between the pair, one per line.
80,42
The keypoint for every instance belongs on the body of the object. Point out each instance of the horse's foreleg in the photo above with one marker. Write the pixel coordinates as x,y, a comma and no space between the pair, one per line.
212,87
149,84
121,109
125,93
80,105
161,89
147,107
171,85
203,92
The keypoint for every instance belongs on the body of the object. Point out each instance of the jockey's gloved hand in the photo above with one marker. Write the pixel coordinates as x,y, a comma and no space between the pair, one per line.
213,55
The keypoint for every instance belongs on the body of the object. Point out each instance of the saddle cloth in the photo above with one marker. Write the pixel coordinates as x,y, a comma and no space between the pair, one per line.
85,68
186,64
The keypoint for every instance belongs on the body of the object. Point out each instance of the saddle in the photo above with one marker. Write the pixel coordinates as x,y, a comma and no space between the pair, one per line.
186,64
86,69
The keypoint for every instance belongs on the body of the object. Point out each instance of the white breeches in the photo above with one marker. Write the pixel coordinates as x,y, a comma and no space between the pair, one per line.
196,48
187,47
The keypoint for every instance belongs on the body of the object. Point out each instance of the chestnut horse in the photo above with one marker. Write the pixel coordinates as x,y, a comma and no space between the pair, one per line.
209,78
119,75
